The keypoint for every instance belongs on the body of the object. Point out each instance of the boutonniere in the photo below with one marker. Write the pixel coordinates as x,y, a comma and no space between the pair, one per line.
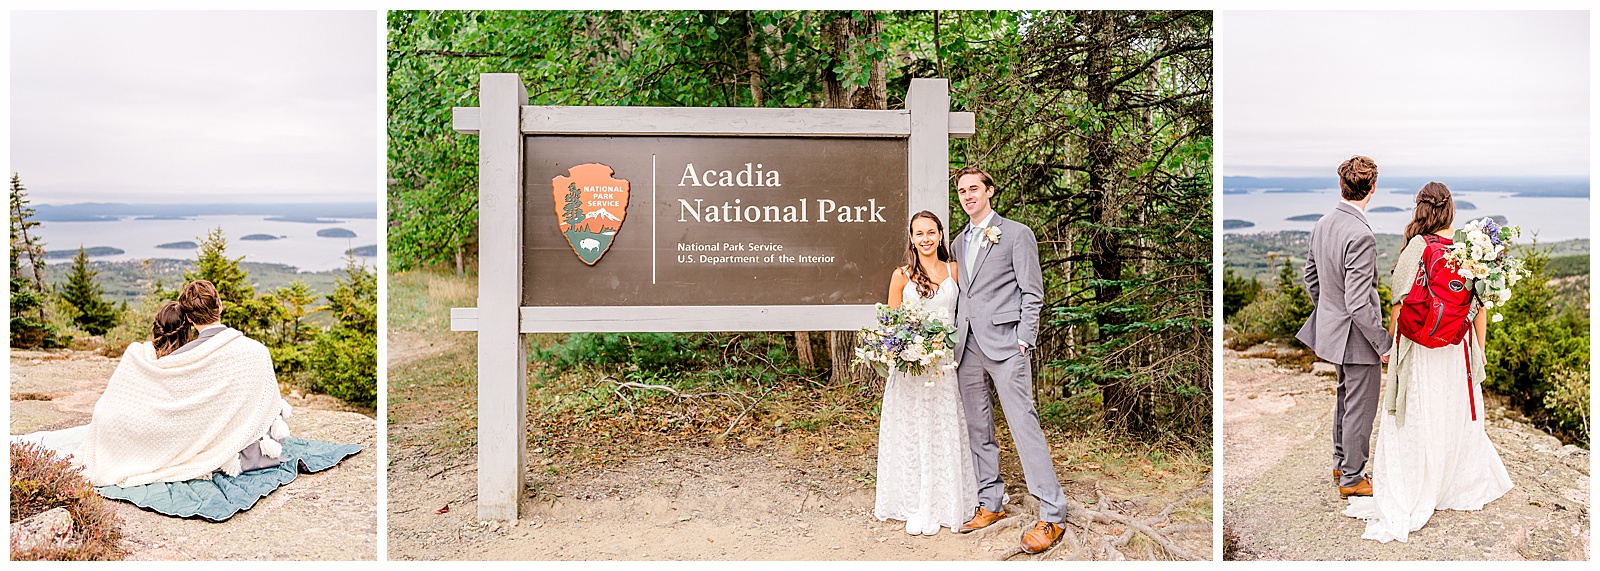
991,235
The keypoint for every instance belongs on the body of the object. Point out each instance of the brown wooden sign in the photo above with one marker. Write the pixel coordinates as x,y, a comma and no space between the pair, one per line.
711,221
610,219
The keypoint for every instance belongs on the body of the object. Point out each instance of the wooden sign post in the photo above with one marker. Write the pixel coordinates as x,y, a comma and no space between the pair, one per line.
670,219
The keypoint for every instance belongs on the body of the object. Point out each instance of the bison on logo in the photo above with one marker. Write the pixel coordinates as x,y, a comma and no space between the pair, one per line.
590,207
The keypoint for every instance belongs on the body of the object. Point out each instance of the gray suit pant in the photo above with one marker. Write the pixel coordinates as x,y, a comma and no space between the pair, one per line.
1355,405
1013,383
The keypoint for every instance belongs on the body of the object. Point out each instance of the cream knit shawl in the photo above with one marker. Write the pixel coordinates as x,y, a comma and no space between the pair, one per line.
182,416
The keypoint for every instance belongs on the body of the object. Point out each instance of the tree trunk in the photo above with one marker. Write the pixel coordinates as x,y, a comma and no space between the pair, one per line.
840,35
1123,405
753,59
802,349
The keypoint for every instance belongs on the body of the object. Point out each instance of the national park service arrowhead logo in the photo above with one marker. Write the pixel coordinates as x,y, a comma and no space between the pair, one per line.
590,207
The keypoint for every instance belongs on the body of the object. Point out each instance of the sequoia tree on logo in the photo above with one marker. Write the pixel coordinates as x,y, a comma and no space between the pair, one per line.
590,207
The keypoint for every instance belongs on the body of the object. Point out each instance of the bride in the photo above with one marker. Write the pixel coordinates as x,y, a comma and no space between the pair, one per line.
925,472
1432,452
182,407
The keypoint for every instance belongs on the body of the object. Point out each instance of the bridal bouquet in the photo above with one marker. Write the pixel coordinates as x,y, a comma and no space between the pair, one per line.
910,339
1479,252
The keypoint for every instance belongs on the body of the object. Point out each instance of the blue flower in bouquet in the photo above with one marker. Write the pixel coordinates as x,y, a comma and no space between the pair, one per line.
910,339
1481,253
1492,229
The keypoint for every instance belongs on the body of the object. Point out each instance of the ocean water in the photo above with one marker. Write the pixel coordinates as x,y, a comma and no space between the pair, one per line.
299,246
1553,219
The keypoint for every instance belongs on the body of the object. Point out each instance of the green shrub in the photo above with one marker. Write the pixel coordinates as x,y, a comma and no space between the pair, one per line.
654,352
1237,292
1568,401
41,481
1279,312
345,363
1537,349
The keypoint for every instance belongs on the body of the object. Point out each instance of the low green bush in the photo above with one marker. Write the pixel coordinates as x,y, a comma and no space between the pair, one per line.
1278,312
345,364
1539,353
1237,292
653,352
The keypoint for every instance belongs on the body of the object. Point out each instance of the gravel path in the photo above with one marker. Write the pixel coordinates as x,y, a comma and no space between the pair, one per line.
1280,501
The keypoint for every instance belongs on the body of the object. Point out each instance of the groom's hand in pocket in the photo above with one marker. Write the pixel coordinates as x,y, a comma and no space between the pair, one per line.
1023,347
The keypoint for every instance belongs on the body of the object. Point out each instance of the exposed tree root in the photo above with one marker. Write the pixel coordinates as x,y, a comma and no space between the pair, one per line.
1111,544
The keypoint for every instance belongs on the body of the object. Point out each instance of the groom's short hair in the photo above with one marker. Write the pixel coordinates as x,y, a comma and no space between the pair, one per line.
1356,177
983,174
200,303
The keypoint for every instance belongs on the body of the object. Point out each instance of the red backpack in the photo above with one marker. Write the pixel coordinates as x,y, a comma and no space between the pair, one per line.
1434,313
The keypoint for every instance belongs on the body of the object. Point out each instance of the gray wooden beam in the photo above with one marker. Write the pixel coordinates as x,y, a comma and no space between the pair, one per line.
719,121
502,362
724,121
464,120
652,319
929,148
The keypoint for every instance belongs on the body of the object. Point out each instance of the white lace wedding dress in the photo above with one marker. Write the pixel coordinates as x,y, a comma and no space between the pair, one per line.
925,473
1440,460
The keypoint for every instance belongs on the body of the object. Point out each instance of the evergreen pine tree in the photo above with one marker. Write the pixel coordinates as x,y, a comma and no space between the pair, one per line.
82,291
242,309
344,357
28,325
214,265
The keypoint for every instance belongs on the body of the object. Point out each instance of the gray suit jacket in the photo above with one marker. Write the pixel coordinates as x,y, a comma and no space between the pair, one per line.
1001,296
1346,327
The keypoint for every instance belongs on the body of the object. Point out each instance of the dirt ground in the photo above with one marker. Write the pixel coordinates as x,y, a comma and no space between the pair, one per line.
1280,503
767,500
330,515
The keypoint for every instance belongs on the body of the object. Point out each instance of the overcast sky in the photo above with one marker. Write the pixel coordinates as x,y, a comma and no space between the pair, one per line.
199,107
1422,93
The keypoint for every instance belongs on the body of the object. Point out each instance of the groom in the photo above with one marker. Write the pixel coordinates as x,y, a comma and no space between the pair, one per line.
997,326
1346,325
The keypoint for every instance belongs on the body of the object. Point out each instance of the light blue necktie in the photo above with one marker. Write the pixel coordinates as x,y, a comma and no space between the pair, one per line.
973,235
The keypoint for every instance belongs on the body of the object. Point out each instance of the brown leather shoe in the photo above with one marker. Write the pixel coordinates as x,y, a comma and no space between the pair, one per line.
1042,536
1362,488
982,519
1336,474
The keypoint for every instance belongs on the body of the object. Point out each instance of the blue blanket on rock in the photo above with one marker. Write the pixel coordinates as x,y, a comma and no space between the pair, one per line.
222,496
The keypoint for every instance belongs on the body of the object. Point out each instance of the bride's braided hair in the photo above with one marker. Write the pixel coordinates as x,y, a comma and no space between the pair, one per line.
918,274
169,330
1435,211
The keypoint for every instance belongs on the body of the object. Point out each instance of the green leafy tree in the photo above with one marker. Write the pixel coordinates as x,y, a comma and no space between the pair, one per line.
82,291
29,328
